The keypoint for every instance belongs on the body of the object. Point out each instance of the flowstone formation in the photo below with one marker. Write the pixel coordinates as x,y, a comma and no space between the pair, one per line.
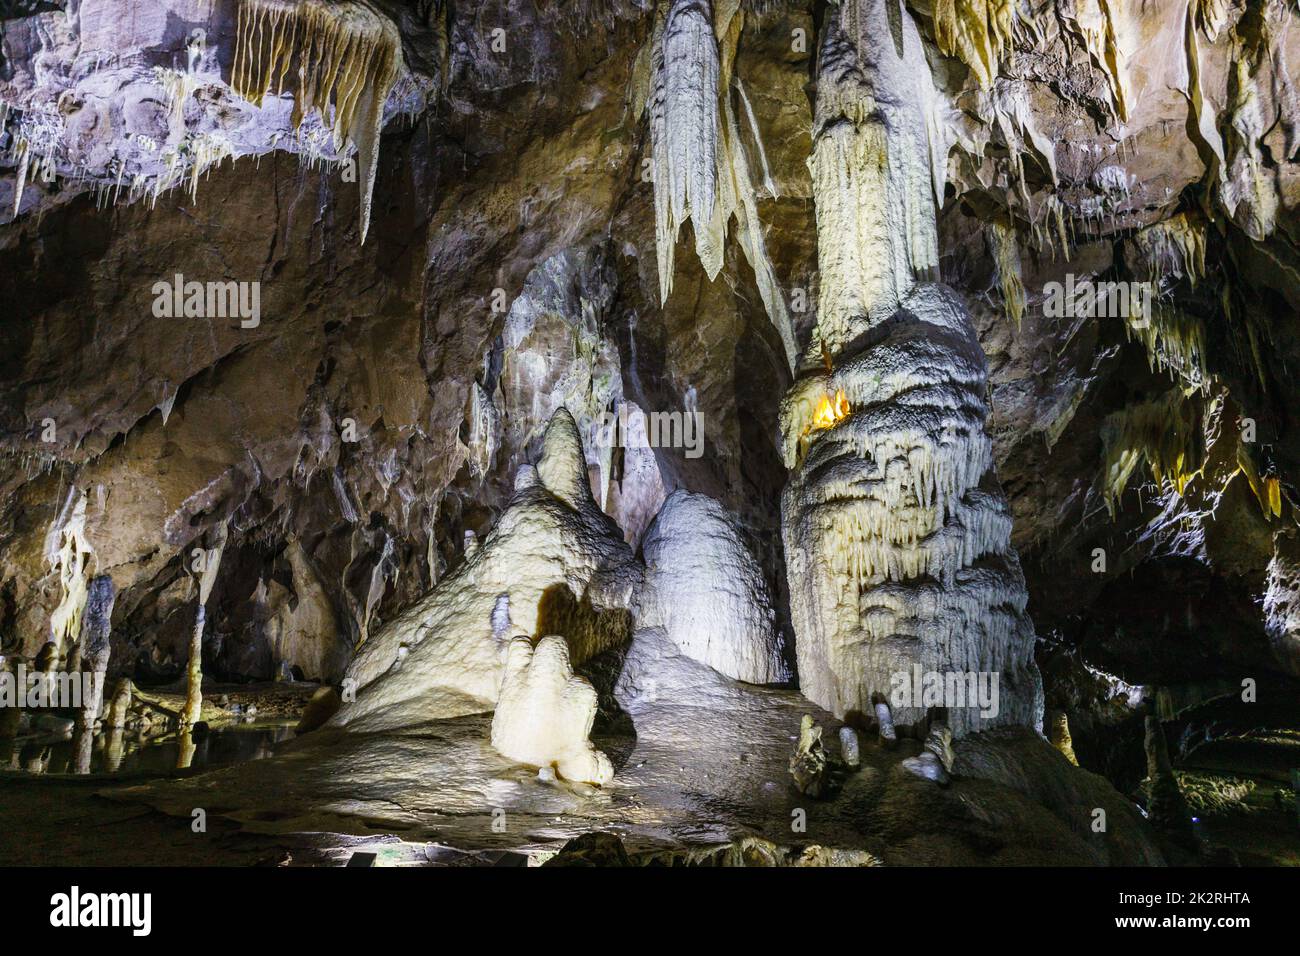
896,532
706,591
554,564
545,713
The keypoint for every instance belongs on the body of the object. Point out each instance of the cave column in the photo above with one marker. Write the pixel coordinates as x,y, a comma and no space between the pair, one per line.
897,535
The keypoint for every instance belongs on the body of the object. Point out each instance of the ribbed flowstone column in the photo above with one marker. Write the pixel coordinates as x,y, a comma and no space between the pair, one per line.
896,531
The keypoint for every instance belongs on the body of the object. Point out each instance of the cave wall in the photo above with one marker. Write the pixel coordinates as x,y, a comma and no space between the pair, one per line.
522,170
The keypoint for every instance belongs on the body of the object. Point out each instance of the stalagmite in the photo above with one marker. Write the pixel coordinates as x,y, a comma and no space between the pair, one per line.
347,59
95,645
545,713
935,761
564,569
1166,806
897,535
194,669
885,732
706,590
120,704
809,765
850,752
10,719
1058,733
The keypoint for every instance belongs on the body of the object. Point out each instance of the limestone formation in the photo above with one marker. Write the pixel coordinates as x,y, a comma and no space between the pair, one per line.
1166,805
563,565
1058,732
701,171
119,704
936,759
849,748
210,564
94,644
885,731
348,58
545,713
704,588
897,535
809,764
626,211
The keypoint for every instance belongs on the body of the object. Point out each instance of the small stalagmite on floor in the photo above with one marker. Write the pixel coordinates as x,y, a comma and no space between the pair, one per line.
545,713
809,765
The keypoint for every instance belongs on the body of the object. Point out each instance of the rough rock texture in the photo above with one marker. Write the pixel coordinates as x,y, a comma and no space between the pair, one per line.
545,713
897,536
553,564
704,588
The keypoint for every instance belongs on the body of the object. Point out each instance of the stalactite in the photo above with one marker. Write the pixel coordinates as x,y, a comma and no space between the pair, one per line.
1247,190
1098,25
348,57
69,553
1051,228
685,131
1174,247
701,172
1212,15
1174,340
1267,489
1161,255
978,32
1202,109
1006,261
897,537
1167,433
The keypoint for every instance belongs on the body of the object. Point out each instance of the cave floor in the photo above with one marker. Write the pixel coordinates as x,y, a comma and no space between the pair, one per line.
1261,826
691,779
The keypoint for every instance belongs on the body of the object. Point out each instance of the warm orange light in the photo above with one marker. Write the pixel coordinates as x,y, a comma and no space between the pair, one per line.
829,412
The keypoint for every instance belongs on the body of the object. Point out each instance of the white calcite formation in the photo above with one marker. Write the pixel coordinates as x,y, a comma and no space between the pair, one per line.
564,569
68,553
897,534
701,171
558,350
348,58
545,713
706,591
134,106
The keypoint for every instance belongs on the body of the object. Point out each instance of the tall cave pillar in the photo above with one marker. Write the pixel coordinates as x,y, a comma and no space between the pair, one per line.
897,534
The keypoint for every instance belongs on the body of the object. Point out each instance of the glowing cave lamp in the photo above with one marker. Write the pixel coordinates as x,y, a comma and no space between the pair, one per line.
830,411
